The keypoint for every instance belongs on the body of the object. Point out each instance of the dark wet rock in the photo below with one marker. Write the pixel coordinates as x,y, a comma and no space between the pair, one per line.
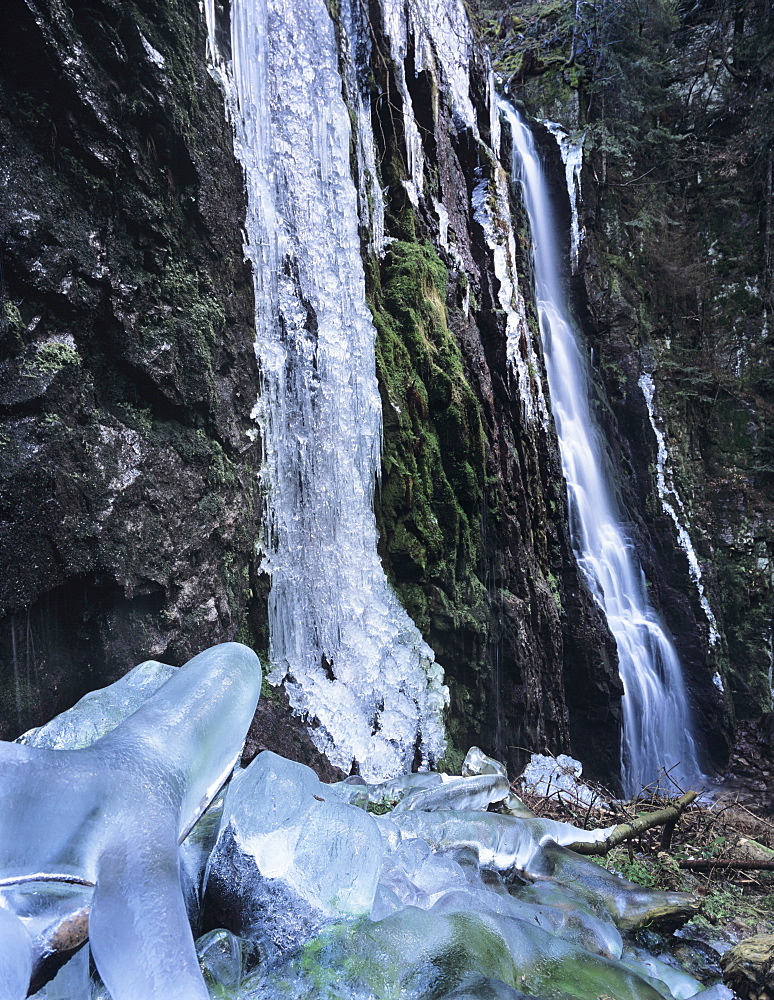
749,966
127,480
275,728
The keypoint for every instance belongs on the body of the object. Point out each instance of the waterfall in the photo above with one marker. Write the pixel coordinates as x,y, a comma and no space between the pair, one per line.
657,728
352,659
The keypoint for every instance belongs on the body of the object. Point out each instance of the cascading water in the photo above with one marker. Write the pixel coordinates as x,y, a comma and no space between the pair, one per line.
352,658
657,734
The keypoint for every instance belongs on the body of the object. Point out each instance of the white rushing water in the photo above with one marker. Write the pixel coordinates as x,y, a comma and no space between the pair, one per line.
351,657
675,508
657,728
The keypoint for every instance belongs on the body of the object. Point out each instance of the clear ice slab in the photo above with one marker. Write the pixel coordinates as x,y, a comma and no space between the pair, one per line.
291,855
122,805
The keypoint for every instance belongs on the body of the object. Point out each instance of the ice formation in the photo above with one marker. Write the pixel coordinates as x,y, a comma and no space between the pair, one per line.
98,828
558,777
673,504
350,891
351,657
572,157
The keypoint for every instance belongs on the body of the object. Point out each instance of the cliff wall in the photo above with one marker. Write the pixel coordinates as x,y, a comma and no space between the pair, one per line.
673,106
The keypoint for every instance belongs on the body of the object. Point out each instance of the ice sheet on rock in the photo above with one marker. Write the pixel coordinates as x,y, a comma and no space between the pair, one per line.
417,954
501,842
226,961
558,777
717,992
416,876
631,906
55,915
475,792
483,988
385,794
575,903
302,856
581,929
121,806
673,982
15,956
100,711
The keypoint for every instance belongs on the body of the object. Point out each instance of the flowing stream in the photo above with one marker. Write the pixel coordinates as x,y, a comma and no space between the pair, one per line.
657,729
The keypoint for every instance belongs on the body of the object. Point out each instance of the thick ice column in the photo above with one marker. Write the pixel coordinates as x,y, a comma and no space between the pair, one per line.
351,657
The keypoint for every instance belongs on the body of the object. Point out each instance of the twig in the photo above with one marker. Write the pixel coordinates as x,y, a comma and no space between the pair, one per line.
625,831
710,864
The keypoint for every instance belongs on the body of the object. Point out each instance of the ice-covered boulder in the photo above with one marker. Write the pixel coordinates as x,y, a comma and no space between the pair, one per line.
291,855
420,954
558,777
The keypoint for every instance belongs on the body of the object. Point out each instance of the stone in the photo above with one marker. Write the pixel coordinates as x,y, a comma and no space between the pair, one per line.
749,966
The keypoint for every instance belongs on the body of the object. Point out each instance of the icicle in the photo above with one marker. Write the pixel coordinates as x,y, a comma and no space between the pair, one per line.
671,502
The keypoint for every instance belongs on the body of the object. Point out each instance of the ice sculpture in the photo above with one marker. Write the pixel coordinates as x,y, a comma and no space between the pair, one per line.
98,828
100,711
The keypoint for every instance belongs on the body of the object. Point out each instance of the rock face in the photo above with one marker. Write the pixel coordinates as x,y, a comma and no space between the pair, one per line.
675,283
472,507
127,483
128,477
748,967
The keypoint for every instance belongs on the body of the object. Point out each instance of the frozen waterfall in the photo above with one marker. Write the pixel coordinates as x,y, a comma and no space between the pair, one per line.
657,728
353,660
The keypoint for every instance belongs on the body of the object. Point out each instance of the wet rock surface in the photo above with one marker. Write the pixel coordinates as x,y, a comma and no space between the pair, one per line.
749,966
127,496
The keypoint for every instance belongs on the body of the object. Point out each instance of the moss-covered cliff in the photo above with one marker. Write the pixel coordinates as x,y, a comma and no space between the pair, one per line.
674,103
472,508
130,506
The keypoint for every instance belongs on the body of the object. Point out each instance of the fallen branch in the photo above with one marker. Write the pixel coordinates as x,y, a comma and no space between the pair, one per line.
709,864
625,831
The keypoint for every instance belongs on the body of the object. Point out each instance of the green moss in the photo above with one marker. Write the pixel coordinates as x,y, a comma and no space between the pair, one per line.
451,762
13,317
49,358
430,501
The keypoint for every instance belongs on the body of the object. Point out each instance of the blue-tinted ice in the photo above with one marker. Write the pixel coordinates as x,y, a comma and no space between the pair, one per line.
102,825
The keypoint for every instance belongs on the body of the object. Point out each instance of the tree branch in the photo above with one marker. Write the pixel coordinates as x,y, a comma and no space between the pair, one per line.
625,831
